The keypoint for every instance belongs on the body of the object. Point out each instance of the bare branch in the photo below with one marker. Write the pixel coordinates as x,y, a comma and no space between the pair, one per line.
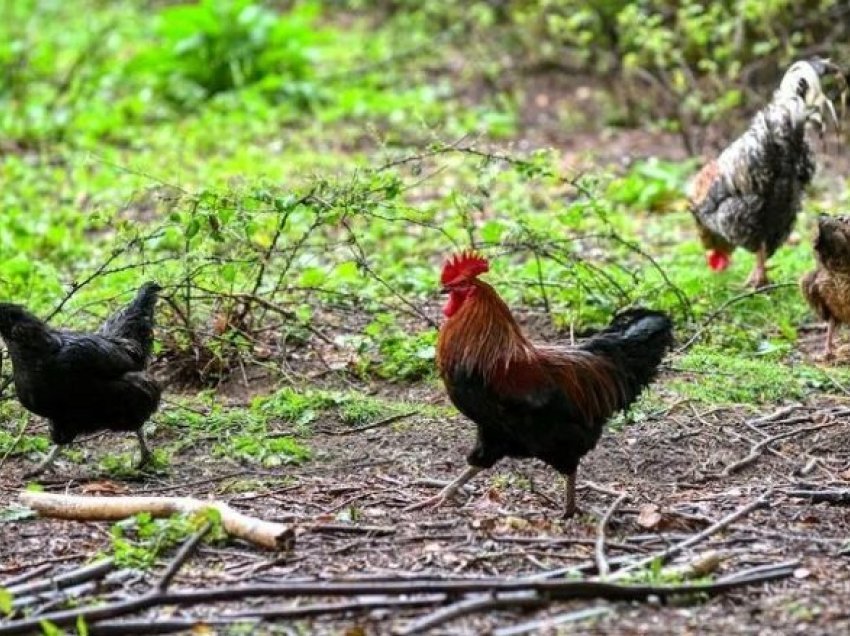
601,561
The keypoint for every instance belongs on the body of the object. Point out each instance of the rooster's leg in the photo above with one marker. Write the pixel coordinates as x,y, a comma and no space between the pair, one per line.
145,453
570,495
758,277
46,464
449,491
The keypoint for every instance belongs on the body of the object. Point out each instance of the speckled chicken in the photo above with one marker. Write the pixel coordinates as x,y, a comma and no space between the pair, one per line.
750,195
827,288
85,382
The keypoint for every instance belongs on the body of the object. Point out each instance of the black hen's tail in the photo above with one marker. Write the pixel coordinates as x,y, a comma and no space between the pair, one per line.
635,342
135,322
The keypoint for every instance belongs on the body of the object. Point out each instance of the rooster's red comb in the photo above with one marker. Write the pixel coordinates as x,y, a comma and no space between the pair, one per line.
466,264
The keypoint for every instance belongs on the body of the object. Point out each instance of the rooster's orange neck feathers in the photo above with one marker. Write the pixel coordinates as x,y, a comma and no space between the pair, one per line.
480,334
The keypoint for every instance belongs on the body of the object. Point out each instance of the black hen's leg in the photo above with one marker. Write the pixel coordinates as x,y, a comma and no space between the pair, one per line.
570,495
46,464
145,453
449,491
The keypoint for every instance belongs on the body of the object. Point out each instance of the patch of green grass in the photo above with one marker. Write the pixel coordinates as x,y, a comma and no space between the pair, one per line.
655,573
291,406
652,185
250,435
398,354
266,451
647,405
721,378
26,445
6,599
216,420
124,465
303,407
235,486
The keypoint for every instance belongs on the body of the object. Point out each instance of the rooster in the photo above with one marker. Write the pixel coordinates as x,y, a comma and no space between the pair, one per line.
827,289
85,382
750,195
536,400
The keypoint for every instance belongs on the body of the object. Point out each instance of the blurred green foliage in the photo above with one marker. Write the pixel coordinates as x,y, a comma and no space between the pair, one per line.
295,172
216,46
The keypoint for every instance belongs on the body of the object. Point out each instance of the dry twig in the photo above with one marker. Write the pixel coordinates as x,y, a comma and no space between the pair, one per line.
601,562
758,448
368,427
473,605
544,624
80,575
678,548
545,590
837,496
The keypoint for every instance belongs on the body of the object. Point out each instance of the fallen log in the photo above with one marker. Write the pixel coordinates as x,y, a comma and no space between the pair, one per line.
265,534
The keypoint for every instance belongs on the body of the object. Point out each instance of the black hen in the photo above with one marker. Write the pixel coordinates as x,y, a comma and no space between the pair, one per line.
530,399
81,382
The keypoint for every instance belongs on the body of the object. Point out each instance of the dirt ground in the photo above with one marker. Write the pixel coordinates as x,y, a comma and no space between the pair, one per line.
348,507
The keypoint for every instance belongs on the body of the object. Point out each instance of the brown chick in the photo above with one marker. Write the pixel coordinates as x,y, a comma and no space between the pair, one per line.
827,289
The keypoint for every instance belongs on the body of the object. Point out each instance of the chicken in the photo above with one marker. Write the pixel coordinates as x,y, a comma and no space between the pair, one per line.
827,289
536,400
750,195
85,382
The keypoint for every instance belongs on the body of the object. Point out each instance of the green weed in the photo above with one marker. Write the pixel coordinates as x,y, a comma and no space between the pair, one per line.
139,541
217,46
27,445
304,407
266,451
5,601
124,465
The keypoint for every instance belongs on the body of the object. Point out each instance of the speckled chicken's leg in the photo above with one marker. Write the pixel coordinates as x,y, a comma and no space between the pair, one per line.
145,453
758,277
449,491
570,496
46,464
830,338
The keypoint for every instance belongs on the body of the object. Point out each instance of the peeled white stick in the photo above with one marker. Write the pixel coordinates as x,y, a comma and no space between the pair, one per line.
265,534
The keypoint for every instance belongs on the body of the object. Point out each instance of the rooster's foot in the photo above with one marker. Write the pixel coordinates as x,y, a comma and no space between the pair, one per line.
834,355
432,503
825,357
448,492
757,281
571,514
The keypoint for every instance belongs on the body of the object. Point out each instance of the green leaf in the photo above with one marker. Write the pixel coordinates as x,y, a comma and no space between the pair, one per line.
49,629
16,513
192,227
6,599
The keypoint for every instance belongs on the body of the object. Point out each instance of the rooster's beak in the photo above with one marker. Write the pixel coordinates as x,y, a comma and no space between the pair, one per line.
444,290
